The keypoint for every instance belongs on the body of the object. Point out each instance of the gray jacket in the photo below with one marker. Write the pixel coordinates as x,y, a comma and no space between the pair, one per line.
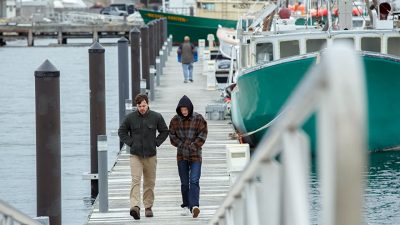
139,132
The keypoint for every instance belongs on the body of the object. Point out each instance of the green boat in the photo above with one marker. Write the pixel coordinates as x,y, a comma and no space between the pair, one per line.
279,63
182,25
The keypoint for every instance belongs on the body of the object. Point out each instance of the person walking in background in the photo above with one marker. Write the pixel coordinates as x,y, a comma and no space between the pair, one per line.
188,132
186,54
138,131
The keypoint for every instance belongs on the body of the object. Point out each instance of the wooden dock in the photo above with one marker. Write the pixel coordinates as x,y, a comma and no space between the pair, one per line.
214,182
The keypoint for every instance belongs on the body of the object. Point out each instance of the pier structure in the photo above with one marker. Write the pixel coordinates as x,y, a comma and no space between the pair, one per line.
63,32
214,181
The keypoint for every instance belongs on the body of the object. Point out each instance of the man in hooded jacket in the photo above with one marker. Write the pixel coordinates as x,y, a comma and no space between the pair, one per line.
188,132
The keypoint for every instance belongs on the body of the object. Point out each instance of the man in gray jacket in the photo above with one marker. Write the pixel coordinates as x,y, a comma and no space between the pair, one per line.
186,52
139,131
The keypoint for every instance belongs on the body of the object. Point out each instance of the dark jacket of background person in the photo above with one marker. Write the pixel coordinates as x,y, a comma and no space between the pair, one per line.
142,132
186,49
189,133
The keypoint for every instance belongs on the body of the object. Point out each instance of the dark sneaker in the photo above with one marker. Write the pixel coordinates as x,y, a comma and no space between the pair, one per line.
135,212
195,211
148,212
191,80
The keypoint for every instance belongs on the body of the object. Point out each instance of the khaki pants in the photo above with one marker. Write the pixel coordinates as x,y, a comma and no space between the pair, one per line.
148,167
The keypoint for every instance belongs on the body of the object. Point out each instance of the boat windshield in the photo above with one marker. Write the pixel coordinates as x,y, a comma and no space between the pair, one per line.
264,53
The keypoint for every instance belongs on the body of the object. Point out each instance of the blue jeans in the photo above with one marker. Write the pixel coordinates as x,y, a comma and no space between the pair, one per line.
187,71
189,173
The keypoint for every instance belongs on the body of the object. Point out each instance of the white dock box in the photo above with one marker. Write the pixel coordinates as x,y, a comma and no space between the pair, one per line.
237,157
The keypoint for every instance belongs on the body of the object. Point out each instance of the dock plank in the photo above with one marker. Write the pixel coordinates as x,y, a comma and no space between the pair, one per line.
214,182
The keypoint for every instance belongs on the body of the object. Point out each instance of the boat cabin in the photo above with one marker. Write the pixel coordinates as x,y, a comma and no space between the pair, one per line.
266,48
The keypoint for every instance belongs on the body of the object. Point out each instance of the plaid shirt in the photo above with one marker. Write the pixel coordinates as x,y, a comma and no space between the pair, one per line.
188,135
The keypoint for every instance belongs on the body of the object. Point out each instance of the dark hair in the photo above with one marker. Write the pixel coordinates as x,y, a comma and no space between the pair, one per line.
140,98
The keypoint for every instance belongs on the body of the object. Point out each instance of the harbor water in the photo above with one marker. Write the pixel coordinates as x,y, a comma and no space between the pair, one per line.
17,135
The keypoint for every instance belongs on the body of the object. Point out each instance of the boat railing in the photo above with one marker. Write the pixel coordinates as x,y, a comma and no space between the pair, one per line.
10,215
273,189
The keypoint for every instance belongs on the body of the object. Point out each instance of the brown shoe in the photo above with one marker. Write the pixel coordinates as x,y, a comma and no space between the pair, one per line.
135,212
148,212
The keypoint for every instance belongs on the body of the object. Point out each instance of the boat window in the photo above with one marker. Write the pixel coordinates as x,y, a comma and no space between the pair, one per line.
289,48
394,46
208,6
314,45
372,44
264,52
346,40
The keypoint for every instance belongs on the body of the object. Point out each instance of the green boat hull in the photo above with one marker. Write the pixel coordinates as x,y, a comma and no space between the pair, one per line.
269,87
180,26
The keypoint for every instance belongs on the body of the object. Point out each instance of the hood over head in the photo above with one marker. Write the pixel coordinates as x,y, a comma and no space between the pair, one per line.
185,102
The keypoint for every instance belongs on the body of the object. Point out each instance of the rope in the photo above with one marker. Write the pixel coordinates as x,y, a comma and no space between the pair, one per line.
259,129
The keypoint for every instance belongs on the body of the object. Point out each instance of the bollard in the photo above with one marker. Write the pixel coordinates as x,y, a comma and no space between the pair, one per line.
103,173
162,60
123,75
170,42
43,220
165,53
135,61
31,41
152,74
144,31
158,71
48,142
128,106
143,85
97,106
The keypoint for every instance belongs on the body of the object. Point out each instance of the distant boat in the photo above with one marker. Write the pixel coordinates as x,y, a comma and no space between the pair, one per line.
182,25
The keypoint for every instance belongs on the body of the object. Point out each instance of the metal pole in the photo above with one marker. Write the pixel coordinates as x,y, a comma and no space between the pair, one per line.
152,73
103,173
123,75
158,70
97,106
144,31
135,61
48,142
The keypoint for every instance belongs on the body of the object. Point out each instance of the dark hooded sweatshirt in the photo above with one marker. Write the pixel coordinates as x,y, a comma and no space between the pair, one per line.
188,133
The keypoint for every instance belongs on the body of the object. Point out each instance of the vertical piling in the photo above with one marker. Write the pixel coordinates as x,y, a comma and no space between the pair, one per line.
135,61
144,31
165,29
151,44
157,36
97,106
48,142
123,75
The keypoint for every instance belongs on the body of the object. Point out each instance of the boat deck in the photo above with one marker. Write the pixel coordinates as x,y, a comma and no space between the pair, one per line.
214,182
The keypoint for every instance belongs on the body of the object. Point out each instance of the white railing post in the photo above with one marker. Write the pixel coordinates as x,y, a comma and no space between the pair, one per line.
342,118
252,211
295,161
